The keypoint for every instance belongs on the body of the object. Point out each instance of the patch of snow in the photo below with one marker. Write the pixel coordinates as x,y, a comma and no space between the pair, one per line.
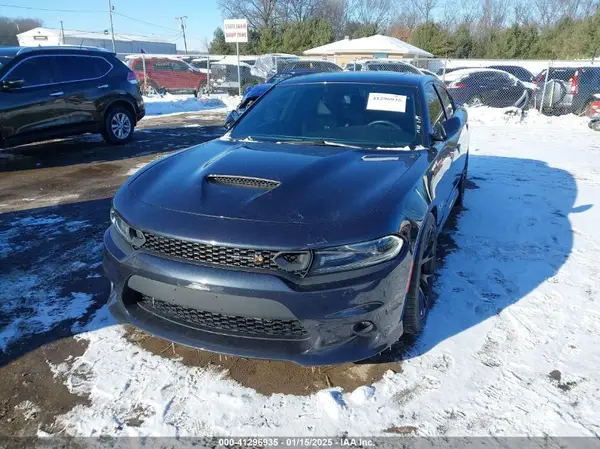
519,301
28,408
177,104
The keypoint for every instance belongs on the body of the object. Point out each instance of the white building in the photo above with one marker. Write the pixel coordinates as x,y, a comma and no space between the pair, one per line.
124,43
376,46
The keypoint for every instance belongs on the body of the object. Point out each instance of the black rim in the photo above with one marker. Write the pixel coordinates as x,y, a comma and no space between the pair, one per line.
426,271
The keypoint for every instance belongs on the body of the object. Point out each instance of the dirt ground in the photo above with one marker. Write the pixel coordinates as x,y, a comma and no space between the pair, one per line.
76,178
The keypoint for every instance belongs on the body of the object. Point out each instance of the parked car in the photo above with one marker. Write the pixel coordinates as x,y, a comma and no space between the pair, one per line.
224,76
308,65
168,74
268,65
354,66
308,232
252,93
52,92
487,87
524,75
389,66
595,121
576,87
202,64
429,73
442,70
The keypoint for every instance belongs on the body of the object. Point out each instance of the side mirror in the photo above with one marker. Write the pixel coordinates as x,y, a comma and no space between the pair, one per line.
15,84
231,118
438,133
451,126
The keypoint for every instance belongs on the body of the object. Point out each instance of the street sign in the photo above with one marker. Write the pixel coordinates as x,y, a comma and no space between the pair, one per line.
236,30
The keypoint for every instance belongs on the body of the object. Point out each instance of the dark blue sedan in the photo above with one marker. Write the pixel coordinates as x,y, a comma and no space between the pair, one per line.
306,233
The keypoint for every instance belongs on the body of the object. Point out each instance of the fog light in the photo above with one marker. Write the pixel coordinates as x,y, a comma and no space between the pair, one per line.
363,328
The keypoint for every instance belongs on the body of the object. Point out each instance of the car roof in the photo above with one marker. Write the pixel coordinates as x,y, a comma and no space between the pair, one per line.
405,79
14,51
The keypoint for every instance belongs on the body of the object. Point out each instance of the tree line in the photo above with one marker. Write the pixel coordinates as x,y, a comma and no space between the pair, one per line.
9,28
508,29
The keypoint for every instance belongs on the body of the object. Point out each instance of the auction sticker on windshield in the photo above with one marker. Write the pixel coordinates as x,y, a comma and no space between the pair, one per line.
386,102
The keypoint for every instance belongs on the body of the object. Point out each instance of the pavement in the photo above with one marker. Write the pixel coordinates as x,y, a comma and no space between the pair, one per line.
54,208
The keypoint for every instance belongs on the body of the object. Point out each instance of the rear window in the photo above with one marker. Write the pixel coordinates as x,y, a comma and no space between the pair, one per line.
349,113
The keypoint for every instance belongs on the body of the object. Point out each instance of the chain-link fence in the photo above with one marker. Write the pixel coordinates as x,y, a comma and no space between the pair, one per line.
555,87
552,87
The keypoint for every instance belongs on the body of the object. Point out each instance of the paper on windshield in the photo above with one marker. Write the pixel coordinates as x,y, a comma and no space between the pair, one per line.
386,102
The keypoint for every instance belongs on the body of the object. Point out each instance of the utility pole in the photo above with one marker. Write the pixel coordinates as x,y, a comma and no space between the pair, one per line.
181,20
112,28
62,34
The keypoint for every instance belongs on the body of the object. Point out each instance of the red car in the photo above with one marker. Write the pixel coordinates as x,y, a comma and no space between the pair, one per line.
165,74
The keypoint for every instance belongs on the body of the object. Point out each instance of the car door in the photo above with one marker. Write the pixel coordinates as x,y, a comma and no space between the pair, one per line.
457,135
81,81
161,73
38,107
440,179
509,90
183,76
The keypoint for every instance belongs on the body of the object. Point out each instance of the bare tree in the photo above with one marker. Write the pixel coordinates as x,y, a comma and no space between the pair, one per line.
336,13
376,12
9,28
259,13
493,14
425,8
296,10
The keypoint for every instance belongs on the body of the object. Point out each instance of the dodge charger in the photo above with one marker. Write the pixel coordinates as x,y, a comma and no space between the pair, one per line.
306,233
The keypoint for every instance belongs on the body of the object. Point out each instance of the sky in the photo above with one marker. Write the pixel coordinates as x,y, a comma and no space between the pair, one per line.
203,17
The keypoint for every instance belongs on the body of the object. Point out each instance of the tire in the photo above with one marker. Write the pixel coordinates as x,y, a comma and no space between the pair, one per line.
420,292
119,124
594,124
475,102
462,185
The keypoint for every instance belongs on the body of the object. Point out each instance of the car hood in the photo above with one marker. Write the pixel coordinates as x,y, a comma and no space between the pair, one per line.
314,183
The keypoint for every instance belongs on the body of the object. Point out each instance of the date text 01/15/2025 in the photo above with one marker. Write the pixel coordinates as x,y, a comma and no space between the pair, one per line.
295,442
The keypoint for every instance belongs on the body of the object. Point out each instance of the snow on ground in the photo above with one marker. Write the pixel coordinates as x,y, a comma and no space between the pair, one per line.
177,104
510,347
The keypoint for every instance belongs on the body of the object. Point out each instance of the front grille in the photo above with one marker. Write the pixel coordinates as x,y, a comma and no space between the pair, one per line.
217,322
243,181
212,254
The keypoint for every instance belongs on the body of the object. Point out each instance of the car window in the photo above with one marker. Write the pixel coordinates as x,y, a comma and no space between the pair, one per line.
74,68
139,65
101,66
179,66
349,113
162,66
434,105
33,71
4,60
446,101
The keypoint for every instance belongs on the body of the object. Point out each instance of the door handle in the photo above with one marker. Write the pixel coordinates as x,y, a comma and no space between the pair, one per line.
102,86
57,93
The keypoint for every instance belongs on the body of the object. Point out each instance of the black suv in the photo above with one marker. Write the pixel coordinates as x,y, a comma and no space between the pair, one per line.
572,89
47,93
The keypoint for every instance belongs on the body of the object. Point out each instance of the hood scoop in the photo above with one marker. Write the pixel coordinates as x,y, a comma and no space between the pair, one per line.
247,182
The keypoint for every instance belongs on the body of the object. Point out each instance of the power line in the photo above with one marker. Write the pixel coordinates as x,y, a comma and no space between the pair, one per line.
144,22
52,10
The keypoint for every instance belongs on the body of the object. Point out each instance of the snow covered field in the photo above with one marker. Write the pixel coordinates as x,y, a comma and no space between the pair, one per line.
510,347
177,104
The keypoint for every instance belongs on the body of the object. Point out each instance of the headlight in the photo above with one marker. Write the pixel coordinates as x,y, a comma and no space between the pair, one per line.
134,237
360,255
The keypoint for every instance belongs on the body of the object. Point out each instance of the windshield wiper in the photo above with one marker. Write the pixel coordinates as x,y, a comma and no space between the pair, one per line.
318,143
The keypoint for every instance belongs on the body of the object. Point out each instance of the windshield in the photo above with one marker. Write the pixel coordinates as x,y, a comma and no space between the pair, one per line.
279,78
368,115
392,67
4,60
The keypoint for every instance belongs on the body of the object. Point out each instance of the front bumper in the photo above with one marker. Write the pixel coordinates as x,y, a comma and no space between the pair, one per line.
327,313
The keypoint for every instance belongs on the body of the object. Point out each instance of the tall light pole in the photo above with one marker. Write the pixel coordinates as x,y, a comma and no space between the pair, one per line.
181,20
112,28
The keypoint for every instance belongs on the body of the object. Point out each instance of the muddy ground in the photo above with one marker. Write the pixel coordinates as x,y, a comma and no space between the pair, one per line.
75,179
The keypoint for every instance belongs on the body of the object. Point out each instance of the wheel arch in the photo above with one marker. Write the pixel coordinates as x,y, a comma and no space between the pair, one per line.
121,102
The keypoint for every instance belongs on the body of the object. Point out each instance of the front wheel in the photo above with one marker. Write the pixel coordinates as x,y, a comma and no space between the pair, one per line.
118,126
420,292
